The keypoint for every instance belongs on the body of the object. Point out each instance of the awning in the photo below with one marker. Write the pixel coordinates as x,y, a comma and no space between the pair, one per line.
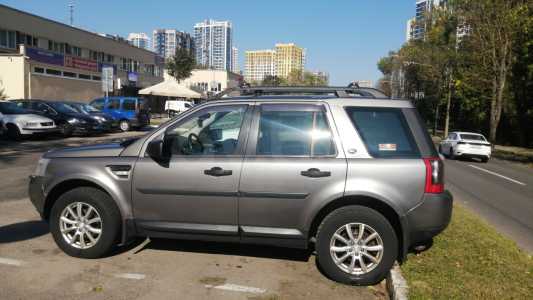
170,88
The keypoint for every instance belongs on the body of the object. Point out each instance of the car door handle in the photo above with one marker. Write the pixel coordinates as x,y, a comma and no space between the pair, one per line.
315,173
217,172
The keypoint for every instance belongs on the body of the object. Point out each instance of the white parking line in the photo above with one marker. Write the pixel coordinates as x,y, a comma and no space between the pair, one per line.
237,288
135,276
11,262
496,174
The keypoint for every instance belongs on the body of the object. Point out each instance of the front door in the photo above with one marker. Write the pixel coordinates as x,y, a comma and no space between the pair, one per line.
196,190
292,164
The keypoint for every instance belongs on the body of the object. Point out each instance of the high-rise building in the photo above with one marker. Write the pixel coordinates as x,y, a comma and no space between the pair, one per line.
259,64
416,27
234,60
289,57
140,40
213,43
166,41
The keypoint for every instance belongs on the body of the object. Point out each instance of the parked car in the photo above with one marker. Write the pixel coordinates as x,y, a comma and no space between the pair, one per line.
131,112
18,122
107,121
67,119
466,144
174,107
357,178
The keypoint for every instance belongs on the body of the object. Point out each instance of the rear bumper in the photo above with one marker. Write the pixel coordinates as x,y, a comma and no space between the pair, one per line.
429,218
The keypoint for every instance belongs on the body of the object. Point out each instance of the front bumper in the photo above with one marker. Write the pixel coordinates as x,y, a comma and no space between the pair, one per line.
429,218
34,130
36,192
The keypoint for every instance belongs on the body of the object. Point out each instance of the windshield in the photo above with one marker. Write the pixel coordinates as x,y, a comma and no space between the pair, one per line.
88,108
62,107
475,137
9,108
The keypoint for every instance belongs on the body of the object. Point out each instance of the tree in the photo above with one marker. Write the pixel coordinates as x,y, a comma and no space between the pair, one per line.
273,80
180,66
3,95
494,27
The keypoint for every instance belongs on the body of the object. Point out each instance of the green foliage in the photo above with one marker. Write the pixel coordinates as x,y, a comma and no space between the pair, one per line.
3,95
273,80
181,64
296,78
486,74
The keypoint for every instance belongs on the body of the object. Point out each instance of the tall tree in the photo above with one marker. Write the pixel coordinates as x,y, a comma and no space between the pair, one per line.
494,25
180,65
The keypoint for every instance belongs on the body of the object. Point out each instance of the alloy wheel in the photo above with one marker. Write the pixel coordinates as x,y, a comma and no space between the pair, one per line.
356,248
80,225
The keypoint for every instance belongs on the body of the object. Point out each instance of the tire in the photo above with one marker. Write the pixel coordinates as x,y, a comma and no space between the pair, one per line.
109,226
66,129
374,222
124,125
485,160
13,132
451,155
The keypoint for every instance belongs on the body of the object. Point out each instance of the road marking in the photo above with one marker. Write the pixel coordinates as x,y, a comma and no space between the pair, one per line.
496,174
237,288
135,276
11,262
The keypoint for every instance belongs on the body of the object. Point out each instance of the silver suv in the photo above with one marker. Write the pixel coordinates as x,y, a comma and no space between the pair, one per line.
344,171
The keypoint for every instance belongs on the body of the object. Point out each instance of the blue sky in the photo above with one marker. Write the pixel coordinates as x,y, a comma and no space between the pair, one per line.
343,37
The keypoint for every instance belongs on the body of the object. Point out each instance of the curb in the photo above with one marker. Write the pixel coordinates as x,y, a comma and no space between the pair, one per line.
396,284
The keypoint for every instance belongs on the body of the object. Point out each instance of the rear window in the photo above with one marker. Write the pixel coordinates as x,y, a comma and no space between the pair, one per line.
384,131
474,137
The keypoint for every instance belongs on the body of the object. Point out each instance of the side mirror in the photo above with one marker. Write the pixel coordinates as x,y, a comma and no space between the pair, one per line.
155,150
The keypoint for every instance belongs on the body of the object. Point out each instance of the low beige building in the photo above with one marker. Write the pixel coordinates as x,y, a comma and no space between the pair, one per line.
45,59
210,81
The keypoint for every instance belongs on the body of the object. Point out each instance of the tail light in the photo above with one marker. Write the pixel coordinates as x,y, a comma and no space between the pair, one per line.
434,175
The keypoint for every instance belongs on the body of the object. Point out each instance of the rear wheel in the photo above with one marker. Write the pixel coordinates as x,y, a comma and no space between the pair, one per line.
13,132
85,222
484,159
124,125
356,245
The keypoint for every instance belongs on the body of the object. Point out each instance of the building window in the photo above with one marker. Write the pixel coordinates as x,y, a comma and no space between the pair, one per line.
76,51
7,39
84,76
97,78
38,70
53,72
69,74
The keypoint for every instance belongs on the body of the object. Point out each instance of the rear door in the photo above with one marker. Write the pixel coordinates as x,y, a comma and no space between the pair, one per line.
292,163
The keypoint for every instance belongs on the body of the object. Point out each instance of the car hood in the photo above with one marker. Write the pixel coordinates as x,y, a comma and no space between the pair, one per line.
99,150
23,118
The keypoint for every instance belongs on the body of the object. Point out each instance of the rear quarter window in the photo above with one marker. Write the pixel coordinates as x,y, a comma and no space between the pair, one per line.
384,131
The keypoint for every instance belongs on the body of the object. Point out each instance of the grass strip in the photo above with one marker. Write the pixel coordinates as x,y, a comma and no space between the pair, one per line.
470,260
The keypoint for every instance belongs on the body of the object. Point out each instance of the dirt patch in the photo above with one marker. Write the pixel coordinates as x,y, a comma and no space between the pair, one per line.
212,280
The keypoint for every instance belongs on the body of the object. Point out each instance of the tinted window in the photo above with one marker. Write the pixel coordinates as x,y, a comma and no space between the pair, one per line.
128,104
98,104
474,137
384,131
297,130
113,104
9,108
63,108
43,108
211,131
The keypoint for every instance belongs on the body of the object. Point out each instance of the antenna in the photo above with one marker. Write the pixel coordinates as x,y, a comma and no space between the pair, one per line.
71,11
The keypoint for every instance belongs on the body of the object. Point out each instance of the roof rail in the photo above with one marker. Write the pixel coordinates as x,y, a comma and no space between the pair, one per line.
340,92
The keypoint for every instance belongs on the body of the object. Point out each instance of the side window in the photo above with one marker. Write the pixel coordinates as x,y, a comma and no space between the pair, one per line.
98,104
294,130
384,131
113,104
43,107
128,104
211,131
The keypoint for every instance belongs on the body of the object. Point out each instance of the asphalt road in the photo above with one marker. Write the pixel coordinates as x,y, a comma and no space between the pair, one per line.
499,191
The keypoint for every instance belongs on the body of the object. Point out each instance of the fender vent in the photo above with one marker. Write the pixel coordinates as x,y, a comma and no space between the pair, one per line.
121,171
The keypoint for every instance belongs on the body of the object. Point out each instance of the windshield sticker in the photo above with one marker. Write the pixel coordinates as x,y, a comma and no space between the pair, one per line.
387,147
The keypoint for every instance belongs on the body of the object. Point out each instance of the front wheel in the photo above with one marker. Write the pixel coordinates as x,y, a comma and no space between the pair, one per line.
124,125
13,132
356,245
85,222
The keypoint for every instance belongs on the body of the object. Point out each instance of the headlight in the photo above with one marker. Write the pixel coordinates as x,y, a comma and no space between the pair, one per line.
40,170
32,124
75,121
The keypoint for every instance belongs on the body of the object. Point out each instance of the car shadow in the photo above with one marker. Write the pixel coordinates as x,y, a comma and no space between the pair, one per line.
234,249
22,231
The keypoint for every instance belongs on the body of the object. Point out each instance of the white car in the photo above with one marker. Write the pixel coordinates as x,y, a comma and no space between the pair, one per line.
19,122
174,107
466,144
